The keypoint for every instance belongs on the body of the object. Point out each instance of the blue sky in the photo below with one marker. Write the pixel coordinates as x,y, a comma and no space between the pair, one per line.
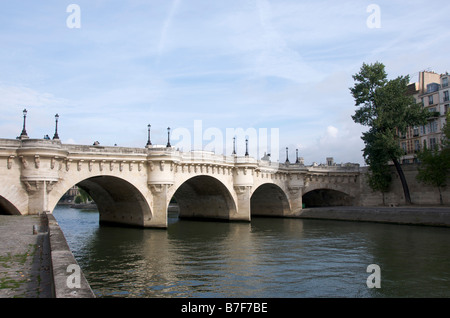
284,64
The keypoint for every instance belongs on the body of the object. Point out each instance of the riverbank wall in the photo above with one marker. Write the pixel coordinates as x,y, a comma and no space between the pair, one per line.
68,278
407,215
421,194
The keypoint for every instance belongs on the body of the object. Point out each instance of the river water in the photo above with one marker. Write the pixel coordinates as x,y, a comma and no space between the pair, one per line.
266,258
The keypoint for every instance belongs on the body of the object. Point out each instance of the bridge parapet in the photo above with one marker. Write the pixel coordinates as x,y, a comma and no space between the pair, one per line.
349,167
9,143
72,148
206,156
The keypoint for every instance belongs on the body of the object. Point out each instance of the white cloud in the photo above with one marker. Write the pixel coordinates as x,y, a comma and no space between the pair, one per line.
332,133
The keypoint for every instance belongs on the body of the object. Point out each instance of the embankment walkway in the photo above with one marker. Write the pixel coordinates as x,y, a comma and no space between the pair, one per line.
34,260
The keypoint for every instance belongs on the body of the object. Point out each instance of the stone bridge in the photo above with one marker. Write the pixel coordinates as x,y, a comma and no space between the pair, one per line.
134,186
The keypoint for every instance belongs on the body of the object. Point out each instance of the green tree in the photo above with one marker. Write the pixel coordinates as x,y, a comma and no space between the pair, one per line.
82,196
380,179
446,137
434,168
380,176
387,109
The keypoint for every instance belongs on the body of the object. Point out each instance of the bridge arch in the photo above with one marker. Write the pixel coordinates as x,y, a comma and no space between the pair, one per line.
7,208
118,200
206,197
269,199
321,197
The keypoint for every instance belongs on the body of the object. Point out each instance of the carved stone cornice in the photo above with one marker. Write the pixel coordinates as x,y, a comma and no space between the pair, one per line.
159,188
32,186
241,189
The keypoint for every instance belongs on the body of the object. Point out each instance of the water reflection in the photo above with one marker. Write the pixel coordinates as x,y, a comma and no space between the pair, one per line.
264,258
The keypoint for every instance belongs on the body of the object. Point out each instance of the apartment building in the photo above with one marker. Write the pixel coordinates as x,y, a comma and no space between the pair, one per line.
432,91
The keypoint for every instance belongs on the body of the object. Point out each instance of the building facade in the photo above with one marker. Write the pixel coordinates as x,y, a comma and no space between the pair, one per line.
432,91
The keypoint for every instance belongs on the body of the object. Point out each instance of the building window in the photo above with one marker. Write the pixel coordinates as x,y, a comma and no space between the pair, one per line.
416,145
430,100
433,87
404,147
432,143
446,99
444,81
433,126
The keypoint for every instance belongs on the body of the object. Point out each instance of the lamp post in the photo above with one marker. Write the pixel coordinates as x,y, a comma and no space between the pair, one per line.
246,147
296,155
234,145
149,143
168,137
287,155
24,131
56,127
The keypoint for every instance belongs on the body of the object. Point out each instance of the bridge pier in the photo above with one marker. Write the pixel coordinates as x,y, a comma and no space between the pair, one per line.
38,196
37,165
243,204
295,202
295,194
160,205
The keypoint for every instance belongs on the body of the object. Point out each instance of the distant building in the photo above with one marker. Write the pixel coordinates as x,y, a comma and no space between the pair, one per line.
69,196
432,91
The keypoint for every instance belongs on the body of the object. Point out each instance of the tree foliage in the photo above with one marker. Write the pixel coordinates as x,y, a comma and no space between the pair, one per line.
387,109
380,176
433,169
434,166
83,196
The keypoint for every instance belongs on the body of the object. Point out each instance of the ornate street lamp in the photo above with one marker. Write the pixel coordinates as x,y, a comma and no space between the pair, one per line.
287,155
168,137
149,143
246,147
234,145
296,155
56,127
24,131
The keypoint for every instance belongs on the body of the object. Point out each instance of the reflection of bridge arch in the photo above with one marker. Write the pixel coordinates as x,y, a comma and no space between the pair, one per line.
269,200
6,207
204,196
118,200
322,196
